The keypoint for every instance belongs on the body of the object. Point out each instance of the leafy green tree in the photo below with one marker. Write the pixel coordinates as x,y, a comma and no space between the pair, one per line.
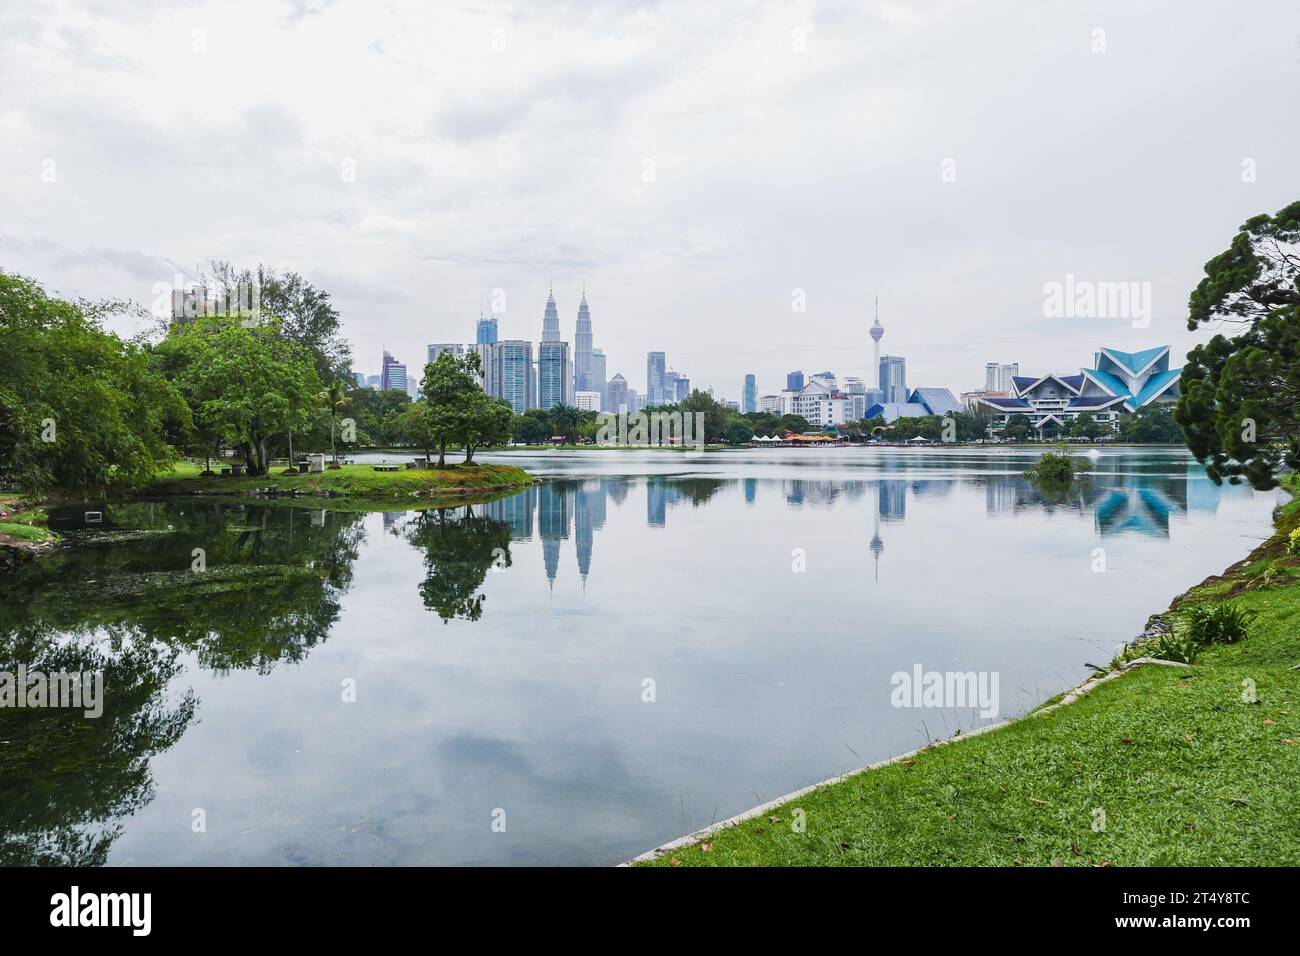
1152,424
1240,396
715,415
794,423
1018,427
459,549
565,419
1085,425
486,421
79,408
246,382
738,431
531,428
451,393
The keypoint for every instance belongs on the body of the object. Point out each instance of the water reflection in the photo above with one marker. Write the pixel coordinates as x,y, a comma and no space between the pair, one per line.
499,650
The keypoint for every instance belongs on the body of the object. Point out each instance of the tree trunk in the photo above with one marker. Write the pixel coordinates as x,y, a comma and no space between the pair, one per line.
442,454
469,453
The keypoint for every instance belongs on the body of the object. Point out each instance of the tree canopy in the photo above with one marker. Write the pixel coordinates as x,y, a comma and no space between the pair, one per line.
1240,402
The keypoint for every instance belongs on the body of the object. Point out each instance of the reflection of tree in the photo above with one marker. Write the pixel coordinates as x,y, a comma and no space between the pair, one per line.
126,601
459,548
65,779
270,591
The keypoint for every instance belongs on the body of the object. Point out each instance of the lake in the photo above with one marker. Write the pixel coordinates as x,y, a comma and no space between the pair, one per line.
639,646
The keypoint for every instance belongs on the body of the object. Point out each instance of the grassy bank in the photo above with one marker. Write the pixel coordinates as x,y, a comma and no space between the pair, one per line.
360,481
1185,770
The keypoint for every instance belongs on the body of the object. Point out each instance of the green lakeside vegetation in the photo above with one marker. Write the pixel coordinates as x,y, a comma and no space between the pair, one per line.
348,480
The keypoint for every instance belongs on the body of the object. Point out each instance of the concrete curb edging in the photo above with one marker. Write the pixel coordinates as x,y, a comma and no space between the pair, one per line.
1085,688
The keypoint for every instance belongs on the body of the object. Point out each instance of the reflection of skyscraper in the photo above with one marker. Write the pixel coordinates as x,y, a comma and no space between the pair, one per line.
893,499
751,486
588,515
552,524
517,512
877,545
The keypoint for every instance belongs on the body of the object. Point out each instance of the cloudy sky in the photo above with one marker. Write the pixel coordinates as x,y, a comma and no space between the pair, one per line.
703,168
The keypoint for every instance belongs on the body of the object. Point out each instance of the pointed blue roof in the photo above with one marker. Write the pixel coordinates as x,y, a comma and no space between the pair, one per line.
1135,361
1155,385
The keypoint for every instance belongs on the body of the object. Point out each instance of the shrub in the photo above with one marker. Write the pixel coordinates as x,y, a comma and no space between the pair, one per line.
1223,623
1176,647
1055,467
1293,547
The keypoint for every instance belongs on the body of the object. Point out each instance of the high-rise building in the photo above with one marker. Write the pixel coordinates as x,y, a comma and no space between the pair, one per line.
616,397
794,381
770,404
586,401
749,399
513,376
551,320
676,386
435,350
654,374
393,375
373,381
598,378
554,375
999,376
893,378
486,331
582,378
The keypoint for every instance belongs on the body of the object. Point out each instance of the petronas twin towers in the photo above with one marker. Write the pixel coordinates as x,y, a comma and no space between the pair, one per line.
557,379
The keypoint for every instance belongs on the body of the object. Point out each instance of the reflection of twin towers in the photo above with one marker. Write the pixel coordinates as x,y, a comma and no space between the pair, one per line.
558,510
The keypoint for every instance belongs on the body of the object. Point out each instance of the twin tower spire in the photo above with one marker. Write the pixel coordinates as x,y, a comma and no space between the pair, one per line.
582,346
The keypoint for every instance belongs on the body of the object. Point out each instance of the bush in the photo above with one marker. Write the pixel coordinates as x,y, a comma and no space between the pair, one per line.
1294,546
1176,647
1055,467
1223,623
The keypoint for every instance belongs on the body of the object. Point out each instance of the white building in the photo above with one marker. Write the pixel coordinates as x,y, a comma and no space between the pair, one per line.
817,402
1000,377
587,401
770,403
455,348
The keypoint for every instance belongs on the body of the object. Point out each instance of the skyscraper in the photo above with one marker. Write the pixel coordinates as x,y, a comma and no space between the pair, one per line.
393,375
486,332
582,378
998,376
893,378
433,351
554,374
616,399
749,400
598,374
550,320
512,376
794,381
877,333
654,374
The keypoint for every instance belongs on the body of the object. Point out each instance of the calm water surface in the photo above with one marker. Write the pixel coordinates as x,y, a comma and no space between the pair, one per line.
498,653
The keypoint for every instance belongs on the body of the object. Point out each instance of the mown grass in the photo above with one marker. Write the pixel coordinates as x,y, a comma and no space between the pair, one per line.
24,532
1186,769
351,480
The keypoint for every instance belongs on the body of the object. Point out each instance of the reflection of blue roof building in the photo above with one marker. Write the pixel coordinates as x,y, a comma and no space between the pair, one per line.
1119,383
920,403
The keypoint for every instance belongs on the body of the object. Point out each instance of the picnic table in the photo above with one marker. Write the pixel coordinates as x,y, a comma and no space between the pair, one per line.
387,467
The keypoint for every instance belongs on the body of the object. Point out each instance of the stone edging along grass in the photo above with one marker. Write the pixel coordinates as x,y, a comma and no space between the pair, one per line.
700,835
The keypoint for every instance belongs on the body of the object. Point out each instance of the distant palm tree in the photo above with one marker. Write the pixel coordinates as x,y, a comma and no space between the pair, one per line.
336,397
565,419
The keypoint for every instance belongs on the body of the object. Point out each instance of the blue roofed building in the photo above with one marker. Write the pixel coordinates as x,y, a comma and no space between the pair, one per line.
1118,384
920,403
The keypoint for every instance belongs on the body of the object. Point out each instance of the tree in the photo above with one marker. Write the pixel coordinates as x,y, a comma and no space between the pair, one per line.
485,422
1240,397
565,418
246,383
738,431
1018,427
715,415
533,427
305,313
79,408
335,397
450,389
1085,425
1154,423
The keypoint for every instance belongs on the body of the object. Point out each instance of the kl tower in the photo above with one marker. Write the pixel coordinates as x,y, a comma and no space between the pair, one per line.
877,332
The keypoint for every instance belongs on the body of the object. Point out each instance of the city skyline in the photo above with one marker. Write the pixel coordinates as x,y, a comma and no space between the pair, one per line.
408,216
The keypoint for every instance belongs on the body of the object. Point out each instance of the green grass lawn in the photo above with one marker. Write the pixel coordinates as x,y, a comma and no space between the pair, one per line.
1185,770
24,532
351,480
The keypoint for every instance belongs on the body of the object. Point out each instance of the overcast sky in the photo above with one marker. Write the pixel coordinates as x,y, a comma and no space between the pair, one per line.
696,165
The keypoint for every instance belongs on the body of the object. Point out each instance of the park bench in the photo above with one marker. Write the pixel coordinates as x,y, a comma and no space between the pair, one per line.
387,467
